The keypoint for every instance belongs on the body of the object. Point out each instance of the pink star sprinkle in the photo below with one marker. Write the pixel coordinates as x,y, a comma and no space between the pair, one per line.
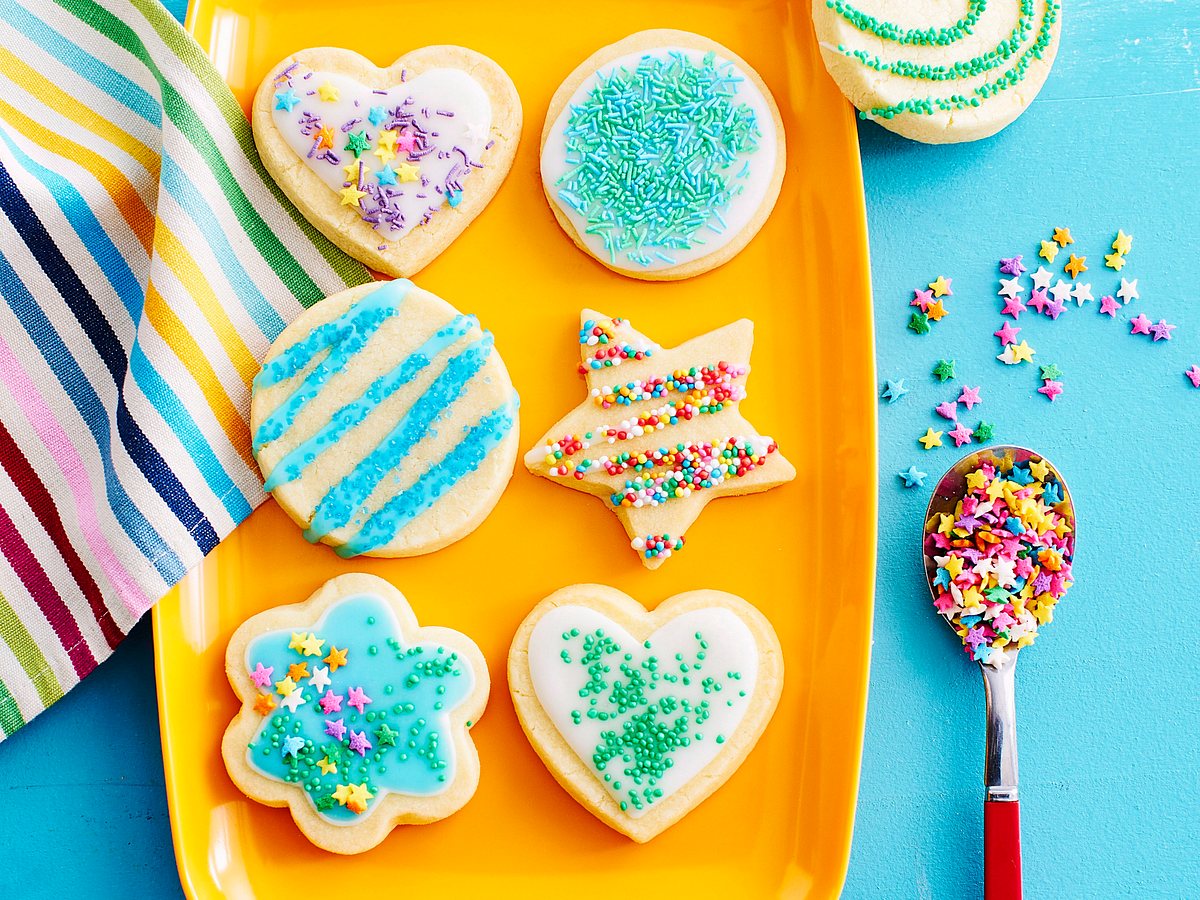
359,743
1193,375
1139,324
1011,266
1051,389
406,140
335,730
947,410
1108,306
356,698
1162,331
262,677
1007,334
1055,308
970,396
331,703
1013,307
1038,299
961,434
922,299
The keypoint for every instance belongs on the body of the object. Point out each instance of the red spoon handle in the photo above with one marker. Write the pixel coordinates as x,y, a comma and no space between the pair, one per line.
1001,850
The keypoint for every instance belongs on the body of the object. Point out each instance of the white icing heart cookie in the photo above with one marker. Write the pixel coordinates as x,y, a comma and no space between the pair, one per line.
939,72
384,421
353,715
642,715
390,164
662,155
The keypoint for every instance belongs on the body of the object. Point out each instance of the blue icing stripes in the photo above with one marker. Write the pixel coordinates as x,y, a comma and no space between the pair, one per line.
479,440
292,465
382,723
338,507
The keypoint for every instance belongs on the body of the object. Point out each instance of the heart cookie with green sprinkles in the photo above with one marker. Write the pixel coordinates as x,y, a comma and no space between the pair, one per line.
352,715
642,715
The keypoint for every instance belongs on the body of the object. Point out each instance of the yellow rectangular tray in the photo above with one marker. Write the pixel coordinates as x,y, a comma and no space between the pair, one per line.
782,824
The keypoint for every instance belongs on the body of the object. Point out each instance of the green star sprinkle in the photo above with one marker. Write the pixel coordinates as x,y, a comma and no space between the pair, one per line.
919,322
1052,372
387,736
944,370
984,432
356,143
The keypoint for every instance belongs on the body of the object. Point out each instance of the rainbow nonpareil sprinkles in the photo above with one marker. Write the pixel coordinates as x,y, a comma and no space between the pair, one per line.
1002,558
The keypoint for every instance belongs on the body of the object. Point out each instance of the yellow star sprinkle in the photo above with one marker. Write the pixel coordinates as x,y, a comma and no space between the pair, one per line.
359,795
1039,469
328,92
975,481
341,793
946,525
336,658
387,138
297,639
931,438
1022,352
995,489
311,646
351,171
1114,261
384,153
1075,265
1123,243
936,311
352,195
953,565
327,768
296,671
407,172
1049,251
285,687
1062,237
940,287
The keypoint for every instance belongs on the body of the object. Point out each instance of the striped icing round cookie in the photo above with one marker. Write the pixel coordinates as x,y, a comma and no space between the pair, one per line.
939,71
384,421
662,155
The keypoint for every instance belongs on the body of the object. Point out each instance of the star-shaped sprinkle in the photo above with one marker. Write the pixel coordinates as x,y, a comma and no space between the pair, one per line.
1123,242
327,767
1062,237
351,196
937,311
325,138
320,678
297,641
1108,306
1193,375
1041,278
1007,334
331,703
1011,266
961,434
336,658
1010,287
1038,300
913,477
1081,294
1162,331
894,390
264,703
386,736
359,743
386,175
311,646
353,170
941,287
335,729
947,410
1114,261
1055,308
1049,251
984,431
1061,291
359,795
357,698
943,370
292,745
406,141
296,671
1051,389
1075,265
1017,353
922,299
286,100
1139,324
285,687
919,322
1051,371
1014,307
970,396
262,676
406,172
377,115
931,438
292,701
342,794
1129,291
328,93
1039,468
356,143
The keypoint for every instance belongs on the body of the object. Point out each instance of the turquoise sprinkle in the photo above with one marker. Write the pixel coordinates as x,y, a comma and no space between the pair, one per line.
650,154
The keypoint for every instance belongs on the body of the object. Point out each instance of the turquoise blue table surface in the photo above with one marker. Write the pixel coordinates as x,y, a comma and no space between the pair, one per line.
1108,700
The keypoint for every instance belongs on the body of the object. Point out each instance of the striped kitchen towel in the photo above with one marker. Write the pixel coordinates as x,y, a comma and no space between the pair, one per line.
146,263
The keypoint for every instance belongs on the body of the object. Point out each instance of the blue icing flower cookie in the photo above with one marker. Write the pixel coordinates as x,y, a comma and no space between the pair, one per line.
384,421
352,715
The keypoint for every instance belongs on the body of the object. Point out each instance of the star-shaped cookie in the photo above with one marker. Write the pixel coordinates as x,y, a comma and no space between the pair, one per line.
659,433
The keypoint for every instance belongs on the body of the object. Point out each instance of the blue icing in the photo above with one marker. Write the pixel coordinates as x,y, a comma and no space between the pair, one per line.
292,465
344,337
412,690
342,501
466,456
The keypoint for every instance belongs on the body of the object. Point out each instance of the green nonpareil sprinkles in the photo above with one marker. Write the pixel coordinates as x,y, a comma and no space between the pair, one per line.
656,154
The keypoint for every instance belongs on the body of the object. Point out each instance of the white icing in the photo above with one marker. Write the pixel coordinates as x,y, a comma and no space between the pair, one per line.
741,208
445,90
731,648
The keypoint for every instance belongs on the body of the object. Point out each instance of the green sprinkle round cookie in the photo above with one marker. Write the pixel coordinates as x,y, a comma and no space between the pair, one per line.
384,421
662,155
939,72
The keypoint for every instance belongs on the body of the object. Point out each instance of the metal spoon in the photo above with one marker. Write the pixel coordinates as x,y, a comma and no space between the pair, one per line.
1002,827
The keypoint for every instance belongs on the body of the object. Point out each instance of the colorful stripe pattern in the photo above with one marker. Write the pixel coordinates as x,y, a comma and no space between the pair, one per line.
147,261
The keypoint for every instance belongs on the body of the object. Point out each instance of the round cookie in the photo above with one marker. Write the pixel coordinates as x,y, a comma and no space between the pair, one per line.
389,164
641,715
921,70
384,421
681,180
353,715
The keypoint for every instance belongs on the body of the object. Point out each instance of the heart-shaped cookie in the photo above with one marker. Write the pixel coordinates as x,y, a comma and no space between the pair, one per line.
390,164
642,715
